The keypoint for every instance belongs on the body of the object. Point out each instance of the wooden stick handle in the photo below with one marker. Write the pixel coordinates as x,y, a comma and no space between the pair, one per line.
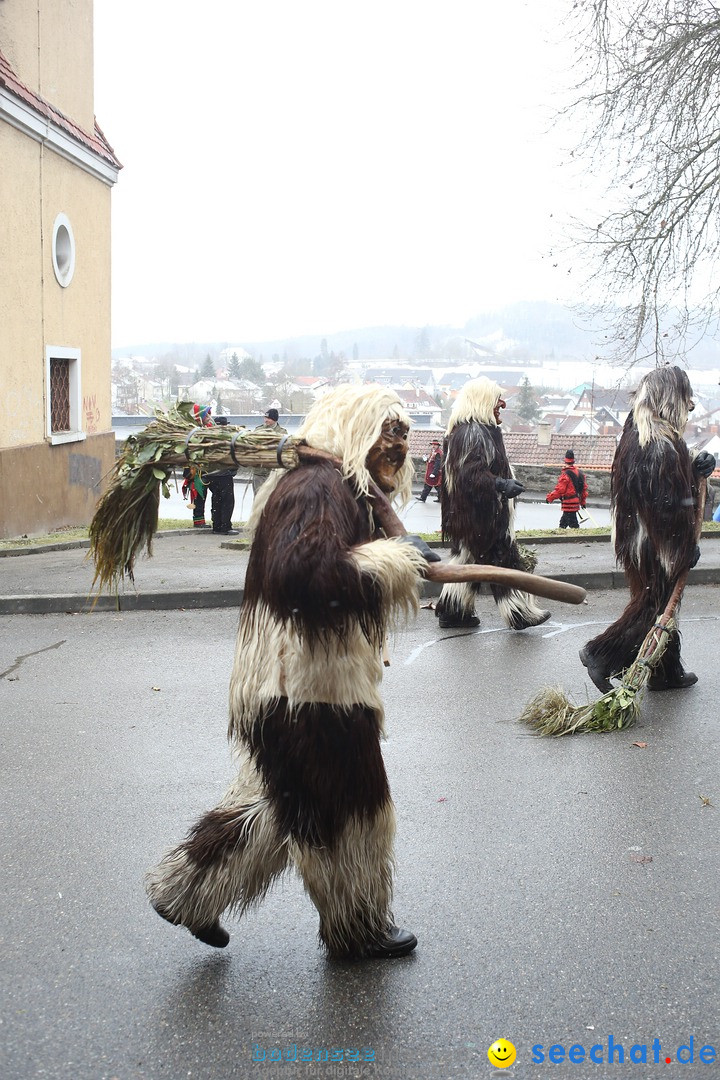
448,573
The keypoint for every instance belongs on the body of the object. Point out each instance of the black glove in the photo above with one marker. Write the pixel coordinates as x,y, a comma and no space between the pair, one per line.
420,545
509,488
704,463
696,556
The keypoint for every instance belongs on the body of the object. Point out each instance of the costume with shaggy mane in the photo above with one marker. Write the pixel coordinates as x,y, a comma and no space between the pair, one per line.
653,492
478,509
306,717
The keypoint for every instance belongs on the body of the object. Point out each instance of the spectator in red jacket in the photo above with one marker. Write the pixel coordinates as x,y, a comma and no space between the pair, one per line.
572,491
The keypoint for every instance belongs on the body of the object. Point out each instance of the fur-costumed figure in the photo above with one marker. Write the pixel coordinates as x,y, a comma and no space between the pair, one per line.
478,510
306,718
653,493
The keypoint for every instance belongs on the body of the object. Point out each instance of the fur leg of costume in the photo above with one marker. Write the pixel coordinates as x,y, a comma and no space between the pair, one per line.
653,491
520,610
228,860
351,882
457,601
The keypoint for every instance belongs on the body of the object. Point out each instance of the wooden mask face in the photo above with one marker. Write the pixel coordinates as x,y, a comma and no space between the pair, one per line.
387,455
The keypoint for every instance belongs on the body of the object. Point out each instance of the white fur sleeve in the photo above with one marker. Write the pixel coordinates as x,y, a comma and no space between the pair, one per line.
397,568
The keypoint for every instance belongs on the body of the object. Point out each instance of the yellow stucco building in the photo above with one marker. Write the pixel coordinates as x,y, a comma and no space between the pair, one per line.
56,174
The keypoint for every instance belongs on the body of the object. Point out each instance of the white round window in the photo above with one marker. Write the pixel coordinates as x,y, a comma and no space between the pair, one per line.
63,250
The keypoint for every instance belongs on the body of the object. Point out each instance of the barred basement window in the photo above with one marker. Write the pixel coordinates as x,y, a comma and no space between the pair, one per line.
63,395
59,394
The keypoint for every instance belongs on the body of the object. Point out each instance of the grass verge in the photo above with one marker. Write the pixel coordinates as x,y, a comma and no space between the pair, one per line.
81,533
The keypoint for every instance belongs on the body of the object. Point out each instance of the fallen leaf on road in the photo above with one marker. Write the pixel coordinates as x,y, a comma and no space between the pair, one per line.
641,858
642,745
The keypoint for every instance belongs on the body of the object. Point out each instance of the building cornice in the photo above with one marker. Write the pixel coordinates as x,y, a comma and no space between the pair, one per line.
42,129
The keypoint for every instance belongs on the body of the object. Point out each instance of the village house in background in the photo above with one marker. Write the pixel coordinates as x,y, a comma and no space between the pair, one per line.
56,441
541,421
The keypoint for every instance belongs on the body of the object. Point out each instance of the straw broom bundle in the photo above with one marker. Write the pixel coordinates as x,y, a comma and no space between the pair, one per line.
127,514
551,713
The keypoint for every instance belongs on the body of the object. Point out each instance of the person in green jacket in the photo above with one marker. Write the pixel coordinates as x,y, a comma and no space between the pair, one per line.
194,483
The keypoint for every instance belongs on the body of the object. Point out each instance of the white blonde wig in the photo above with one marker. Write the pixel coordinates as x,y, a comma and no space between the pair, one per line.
347,422
661,405
476,401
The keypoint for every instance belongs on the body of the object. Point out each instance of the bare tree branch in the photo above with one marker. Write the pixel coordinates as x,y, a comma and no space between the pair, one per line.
649,96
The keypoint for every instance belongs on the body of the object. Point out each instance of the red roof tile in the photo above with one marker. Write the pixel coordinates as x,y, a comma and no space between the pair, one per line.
95,142
591,451
420,439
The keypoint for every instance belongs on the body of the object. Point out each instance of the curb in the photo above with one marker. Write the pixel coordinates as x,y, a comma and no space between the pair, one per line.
78,604
58,604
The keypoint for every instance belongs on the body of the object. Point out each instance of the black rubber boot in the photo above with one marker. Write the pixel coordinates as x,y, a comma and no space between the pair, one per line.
524,624
596,671
449,622
214,934
396,942
660,681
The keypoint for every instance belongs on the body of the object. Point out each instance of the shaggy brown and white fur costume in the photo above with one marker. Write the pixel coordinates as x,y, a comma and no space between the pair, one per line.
653,493
305,711
476,518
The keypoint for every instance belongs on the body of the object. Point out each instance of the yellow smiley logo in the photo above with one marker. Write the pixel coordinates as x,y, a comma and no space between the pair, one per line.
501,1054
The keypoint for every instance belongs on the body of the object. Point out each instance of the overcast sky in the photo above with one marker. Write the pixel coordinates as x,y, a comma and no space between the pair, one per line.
306,167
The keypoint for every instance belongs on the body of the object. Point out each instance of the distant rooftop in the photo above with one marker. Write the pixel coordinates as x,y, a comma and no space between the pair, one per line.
591,451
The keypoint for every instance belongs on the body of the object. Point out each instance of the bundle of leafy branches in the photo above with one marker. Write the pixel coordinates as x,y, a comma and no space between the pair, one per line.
551,712
126,518
528,557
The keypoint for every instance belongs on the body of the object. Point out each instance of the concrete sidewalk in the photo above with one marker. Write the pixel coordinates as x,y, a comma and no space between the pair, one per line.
201,570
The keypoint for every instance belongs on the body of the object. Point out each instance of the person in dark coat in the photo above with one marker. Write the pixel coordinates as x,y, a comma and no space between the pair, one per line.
221,483
572,491
433,472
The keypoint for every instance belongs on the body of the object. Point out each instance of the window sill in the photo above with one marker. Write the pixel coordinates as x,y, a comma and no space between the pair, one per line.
66,437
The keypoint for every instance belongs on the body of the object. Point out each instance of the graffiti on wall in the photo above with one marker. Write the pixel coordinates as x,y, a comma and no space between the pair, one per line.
91,413
84,470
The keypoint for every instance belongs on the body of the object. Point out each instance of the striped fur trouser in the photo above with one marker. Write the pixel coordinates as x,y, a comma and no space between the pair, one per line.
311,792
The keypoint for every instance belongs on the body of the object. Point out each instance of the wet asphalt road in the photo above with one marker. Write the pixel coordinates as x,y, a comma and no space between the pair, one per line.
563,891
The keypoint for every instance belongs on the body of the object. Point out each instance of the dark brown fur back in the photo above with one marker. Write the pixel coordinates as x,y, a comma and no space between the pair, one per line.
299,564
